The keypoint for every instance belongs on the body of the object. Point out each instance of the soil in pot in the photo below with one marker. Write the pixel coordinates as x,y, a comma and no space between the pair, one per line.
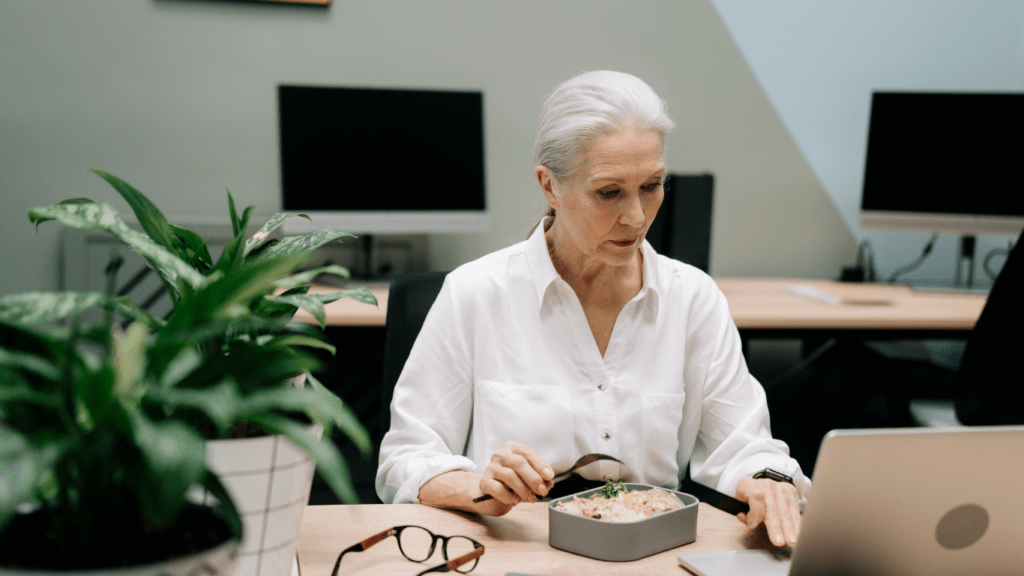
30,541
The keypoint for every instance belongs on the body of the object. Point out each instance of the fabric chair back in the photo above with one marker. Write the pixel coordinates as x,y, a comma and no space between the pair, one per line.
409,299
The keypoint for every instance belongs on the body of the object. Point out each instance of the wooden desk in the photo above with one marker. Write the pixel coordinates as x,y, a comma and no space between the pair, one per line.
516,542
762,307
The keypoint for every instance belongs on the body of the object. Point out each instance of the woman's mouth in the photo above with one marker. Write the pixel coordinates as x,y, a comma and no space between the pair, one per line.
624,243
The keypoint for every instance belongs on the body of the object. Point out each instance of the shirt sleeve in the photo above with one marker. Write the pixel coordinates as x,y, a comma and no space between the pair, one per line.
734,440
431,408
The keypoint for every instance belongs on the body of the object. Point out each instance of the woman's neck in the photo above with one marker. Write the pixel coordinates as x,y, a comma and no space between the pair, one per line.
586,273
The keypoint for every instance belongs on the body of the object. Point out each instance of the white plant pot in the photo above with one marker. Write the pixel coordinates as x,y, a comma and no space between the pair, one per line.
269,479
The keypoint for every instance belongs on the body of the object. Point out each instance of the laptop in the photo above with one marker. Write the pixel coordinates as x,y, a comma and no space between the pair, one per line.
909,501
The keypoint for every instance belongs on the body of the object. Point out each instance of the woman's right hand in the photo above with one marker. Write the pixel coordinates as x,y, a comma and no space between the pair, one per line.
516,474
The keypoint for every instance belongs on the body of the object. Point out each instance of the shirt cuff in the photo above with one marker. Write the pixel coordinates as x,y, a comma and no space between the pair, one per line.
789,467
409,491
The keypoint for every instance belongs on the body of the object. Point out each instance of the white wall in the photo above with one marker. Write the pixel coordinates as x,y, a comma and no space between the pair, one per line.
820,61
178,97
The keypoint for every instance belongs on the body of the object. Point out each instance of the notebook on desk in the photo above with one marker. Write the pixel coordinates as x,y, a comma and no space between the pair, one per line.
910,501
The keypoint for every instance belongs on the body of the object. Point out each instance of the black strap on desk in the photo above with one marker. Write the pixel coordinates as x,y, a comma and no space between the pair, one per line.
713,497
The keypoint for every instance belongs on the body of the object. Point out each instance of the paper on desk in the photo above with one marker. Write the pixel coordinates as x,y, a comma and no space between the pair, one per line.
808,291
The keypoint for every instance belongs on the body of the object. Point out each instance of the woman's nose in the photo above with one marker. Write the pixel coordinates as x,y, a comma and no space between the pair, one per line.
633,215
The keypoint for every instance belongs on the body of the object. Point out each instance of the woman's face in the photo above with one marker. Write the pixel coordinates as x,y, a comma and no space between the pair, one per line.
606,211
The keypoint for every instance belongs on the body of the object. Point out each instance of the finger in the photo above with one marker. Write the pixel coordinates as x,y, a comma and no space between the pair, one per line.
536,472
755,515
498,490
512,479
773,515
791,518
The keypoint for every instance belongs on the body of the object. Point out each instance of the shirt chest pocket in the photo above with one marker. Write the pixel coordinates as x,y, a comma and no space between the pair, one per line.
537,416
662,416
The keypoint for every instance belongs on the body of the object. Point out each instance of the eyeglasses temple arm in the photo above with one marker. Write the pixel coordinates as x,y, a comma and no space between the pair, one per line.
451,565
362,546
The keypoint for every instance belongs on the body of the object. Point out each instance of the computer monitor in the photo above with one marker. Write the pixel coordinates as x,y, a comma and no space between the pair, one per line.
945,162
382,160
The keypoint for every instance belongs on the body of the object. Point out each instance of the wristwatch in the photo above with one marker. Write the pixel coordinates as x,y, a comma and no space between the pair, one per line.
773,475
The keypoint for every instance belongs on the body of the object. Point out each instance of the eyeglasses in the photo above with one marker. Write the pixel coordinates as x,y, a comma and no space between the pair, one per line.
418,544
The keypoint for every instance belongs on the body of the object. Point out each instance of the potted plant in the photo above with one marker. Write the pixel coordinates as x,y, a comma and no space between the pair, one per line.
185,266
99,436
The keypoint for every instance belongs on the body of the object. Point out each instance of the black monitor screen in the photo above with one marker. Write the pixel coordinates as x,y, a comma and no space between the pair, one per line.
946,153
362,149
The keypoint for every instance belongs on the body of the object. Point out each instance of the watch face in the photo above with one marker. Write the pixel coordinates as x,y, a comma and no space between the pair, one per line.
773,475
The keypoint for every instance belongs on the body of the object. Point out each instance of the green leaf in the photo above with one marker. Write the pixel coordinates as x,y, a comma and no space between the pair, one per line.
362,294
300,340
263,234
16,390
213,484
342,416
304,244
194,243
308,302
236,223
246,216
175,459
220,402
184,363
307,276
101,217
231,257
229,296
23,467
44,367
132,311
329,461
150,217
38,307
97,392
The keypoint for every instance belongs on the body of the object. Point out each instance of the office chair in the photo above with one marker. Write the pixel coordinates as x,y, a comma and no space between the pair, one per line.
990,385
409,299
682,229
989,388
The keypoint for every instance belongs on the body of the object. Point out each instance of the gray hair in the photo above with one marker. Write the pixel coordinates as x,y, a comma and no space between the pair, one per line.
591,105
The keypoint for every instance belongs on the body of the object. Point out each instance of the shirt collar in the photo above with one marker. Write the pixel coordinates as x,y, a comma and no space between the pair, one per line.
542,269
544,273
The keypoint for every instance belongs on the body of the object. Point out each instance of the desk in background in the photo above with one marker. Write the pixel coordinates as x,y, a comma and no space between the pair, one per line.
762,307
516,542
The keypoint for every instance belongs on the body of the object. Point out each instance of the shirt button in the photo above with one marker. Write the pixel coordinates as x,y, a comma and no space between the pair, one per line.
606,432
602,384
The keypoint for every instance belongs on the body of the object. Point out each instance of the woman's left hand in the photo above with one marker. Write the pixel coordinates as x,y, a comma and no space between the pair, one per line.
775,504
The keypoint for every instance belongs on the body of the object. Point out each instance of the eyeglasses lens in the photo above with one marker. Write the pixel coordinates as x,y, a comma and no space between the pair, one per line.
458,546
415,543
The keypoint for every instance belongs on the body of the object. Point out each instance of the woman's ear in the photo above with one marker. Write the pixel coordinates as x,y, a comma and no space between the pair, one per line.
547,185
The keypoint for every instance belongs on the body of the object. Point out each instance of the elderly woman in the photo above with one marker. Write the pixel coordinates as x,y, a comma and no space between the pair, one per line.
582,339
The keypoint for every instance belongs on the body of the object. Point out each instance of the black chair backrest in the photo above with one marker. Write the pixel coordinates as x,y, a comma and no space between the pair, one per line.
682,229
409,299
990,387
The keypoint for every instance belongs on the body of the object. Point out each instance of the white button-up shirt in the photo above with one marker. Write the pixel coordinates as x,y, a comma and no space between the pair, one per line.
506,353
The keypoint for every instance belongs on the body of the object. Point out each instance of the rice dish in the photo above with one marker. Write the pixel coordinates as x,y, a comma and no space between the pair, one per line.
622,505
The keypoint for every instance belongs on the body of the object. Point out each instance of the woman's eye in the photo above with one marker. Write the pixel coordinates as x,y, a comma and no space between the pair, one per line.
651,186
608,194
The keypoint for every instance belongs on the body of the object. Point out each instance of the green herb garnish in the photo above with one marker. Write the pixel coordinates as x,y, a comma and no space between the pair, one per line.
612,489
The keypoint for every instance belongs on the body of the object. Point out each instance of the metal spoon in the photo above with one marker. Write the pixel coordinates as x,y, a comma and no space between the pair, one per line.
583,461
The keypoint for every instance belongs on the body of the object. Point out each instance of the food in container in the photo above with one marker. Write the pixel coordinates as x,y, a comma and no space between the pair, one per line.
622,540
